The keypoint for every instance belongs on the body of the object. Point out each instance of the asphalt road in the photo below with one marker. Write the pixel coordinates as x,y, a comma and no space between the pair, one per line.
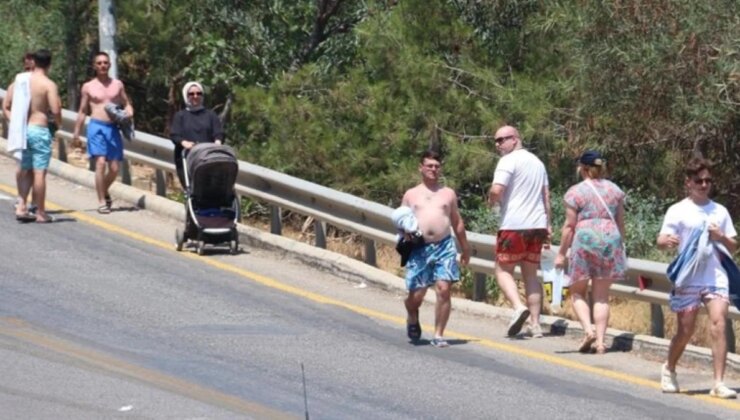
100,318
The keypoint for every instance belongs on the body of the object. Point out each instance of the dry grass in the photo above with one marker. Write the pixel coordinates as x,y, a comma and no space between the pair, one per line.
626,315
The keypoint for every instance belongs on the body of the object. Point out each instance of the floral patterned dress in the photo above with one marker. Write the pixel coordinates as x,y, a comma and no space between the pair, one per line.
596,251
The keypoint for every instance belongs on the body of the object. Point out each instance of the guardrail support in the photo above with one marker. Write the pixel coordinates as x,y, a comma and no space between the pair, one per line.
370,257
479,287
62,149
657,322
276,220
161,181
126,172
91,163
319,229
730,334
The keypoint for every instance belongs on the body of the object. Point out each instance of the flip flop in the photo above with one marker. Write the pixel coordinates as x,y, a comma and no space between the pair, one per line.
25,218
104,209
48,219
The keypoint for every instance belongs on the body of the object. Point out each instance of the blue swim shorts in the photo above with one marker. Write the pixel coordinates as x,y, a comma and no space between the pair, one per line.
689,298
104,139
38,148
432,262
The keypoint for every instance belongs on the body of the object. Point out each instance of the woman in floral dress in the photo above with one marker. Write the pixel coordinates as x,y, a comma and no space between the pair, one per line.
594,232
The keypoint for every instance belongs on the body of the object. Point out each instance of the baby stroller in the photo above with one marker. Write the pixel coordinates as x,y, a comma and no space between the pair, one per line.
211,205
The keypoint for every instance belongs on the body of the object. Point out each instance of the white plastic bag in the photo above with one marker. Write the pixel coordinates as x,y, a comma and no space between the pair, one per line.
554,281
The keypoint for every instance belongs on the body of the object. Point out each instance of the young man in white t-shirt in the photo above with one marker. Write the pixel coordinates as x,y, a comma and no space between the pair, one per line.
709,284
520,186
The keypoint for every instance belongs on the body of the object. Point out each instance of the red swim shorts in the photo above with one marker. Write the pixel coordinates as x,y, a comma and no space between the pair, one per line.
513,246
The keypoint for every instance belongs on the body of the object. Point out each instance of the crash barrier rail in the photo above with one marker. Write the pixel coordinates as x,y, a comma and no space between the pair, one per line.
368,219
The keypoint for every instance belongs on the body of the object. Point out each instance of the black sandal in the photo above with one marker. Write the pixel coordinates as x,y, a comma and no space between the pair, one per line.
413,331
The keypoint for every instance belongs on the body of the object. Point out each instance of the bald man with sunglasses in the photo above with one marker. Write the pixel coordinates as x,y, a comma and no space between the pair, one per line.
521,188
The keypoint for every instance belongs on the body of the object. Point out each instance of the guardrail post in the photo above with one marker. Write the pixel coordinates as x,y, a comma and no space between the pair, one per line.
657,322
62,149
479,287
730,334
319,229
161,183
126,172
370,257
91,163
276,220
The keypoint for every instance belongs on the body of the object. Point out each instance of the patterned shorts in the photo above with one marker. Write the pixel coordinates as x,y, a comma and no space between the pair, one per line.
513,246
689,298
432,262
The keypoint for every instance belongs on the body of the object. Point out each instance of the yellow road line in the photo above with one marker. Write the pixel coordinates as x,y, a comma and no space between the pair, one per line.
275,284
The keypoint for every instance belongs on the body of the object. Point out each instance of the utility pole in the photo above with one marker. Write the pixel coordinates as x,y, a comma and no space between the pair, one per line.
107,34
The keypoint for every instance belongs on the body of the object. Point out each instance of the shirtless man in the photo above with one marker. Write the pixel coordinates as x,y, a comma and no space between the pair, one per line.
434,263
23,179
35,158
104,143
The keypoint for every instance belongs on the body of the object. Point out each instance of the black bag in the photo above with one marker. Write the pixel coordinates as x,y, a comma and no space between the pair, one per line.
405,246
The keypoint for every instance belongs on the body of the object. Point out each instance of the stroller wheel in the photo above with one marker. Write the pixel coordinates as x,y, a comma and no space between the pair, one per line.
179,239
201,247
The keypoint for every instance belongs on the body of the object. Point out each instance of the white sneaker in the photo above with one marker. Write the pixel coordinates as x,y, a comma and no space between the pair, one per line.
722,391
536,331
517,320
668,382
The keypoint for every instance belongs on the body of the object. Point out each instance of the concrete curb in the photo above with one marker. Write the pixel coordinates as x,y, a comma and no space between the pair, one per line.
353,270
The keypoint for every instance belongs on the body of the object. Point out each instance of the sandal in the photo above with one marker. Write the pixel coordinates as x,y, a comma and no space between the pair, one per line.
413,331
588,340
108,201
104,209
25,217
48,219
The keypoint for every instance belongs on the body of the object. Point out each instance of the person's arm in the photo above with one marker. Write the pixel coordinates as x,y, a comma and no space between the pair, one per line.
218,129
566,237
668,237
55,104
717,235
548,211
495,194
8,102
127,106
459,227
81,114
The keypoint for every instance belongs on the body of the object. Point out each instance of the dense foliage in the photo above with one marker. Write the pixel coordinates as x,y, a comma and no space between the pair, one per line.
348,93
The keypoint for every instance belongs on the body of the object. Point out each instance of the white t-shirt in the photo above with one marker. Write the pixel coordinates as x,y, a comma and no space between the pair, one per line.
522,205
685,216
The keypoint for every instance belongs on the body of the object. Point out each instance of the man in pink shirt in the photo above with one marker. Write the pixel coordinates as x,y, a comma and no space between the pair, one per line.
104,143
435,262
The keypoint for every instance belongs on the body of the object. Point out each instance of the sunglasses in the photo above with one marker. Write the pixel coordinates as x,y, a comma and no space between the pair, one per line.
499,140
195,93
702,181
433,166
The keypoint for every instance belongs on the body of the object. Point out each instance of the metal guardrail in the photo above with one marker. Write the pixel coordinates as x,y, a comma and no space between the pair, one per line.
366,218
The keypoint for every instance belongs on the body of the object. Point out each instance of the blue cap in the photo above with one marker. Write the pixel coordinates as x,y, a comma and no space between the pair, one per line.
592,158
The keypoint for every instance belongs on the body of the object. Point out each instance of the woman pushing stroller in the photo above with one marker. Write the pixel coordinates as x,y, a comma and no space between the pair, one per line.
192,125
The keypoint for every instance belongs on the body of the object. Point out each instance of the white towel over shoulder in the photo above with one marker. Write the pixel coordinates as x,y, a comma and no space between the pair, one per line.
19,112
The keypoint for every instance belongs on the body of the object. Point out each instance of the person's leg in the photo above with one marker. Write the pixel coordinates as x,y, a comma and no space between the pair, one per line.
413,303
110,177
533,288
505,279
717,309
100,187
685,329
442,307
39,194
600,295
578,291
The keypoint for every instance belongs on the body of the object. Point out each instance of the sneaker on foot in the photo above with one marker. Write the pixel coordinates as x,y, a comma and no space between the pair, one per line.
668,382
439,342
722,391
536,331
517,320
